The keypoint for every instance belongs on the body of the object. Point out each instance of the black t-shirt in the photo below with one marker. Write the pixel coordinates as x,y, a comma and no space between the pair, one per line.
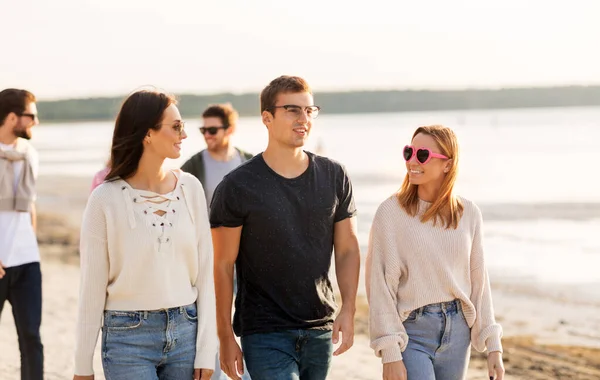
286,244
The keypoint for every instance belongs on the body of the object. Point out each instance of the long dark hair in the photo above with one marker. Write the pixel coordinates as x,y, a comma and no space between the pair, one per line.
143,110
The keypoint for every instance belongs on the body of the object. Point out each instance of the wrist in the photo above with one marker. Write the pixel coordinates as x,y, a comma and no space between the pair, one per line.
349,307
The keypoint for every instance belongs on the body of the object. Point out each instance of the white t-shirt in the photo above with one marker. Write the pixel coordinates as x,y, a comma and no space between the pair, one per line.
18,243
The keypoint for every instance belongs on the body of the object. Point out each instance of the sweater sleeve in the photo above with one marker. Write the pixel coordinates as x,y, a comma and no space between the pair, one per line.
387,333
206,341
485,332
93,283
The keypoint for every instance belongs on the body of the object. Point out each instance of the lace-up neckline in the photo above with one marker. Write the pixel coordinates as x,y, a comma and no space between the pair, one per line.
157,210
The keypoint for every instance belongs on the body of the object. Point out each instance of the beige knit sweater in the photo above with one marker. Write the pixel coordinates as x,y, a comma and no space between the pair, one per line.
133,259
412,264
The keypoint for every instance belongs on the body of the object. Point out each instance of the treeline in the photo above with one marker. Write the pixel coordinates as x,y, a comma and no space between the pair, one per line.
348,102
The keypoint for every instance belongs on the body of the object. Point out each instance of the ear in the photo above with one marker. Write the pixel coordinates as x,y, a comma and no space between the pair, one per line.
148,137
448,166
229,131
267,118
10,120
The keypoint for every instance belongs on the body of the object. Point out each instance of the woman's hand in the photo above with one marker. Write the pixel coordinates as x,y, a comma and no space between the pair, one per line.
394,371
202,373
495,365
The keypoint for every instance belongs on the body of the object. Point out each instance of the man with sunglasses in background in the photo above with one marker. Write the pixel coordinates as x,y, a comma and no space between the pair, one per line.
20,274
220,156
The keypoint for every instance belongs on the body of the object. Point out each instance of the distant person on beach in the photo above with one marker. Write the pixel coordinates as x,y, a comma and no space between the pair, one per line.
147,256
210,165
20,274
100,176
427,282
278,218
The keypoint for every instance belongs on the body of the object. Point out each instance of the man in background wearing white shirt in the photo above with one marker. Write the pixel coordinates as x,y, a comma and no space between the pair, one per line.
20,275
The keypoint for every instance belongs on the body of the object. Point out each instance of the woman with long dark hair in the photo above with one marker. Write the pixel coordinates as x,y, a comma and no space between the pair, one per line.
427,283
146,256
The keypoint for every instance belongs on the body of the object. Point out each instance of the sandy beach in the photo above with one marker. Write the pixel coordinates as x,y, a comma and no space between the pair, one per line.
550,331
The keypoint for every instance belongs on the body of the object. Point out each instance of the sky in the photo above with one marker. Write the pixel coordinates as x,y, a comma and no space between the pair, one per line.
81,48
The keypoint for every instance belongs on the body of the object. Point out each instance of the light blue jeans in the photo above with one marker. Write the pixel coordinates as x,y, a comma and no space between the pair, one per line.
439,342
150,345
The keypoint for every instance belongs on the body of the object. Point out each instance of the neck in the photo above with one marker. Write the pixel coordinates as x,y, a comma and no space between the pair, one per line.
149,174
428,192
223,153
285,161
6,137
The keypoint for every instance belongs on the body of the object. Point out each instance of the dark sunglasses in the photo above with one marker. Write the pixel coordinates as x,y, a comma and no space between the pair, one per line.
423,154
31,115
212,130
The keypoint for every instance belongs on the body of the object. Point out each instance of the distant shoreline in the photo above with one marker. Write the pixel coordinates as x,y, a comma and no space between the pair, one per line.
350,102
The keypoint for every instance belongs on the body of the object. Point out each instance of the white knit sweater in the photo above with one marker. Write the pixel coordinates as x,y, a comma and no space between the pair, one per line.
133,260
411,264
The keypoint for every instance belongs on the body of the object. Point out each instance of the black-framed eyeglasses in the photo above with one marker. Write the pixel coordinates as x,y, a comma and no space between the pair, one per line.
33,116
212,130
296,111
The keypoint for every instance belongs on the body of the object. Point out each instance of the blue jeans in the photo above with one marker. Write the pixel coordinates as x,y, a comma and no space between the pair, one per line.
149,345
288,355
439,342
22,287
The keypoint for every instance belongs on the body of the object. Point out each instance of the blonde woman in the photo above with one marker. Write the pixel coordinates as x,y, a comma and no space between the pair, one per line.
427,282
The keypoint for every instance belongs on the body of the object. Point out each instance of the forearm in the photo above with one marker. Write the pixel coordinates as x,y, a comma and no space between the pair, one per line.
347,268
92,300
224,294
33,217
206,338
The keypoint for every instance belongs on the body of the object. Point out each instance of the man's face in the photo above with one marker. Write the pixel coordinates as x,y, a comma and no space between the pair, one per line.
215,134
290,122
27,120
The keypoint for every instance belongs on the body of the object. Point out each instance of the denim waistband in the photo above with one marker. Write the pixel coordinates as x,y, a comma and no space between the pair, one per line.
449,306
145,313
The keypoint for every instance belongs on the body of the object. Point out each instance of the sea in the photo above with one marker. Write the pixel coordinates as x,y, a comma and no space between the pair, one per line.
535,173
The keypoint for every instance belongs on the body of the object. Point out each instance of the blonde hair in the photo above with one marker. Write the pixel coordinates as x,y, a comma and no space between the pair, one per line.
447,208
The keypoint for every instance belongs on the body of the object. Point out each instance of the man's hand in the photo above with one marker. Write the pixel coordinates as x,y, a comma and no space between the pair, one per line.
394,371
232,359
2,271
202,373
344,323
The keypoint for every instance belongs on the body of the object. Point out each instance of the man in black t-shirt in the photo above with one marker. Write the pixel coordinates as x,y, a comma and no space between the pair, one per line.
278,217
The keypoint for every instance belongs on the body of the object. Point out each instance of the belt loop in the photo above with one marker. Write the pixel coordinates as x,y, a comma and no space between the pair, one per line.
180,309
420,311
145,314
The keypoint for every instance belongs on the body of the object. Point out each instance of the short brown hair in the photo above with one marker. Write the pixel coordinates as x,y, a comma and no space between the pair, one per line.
14,100
225,112
283,84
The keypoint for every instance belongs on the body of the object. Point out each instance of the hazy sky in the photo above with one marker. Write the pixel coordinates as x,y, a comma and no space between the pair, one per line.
73,48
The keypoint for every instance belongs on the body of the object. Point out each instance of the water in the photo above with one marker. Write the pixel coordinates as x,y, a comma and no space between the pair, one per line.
532,171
